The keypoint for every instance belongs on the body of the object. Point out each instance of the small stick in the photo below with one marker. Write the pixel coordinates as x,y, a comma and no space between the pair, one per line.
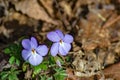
111,21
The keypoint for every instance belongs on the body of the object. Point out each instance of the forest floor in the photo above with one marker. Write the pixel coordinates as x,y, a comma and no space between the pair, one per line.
94,24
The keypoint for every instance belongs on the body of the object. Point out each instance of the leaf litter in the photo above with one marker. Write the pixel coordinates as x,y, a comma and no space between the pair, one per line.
94,25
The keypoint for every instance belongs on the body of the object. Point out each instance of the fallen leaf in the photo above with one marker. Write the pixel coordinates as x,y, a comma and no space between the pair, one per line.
66,7
113,71
2,64
48,4
71,76
34,10
5,32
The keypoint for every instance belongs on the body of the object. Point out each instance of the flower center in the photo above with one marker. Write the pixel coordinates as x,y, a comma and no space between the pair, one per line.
33,51
61,42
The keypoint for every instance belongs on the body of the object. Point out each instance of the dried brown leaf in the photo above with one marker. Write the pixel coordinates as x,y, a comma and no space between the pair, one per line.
70,74
113,71
48,4
89,45
2,64
34,10
28,74
5,32
66,7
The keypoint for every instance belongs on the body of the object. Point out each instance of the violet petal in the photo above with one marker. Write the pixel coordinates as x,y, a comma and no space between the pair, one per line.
26,54
60,34
34,43
54,49
64,48
53,36
42,50
35,59
68,38
26,44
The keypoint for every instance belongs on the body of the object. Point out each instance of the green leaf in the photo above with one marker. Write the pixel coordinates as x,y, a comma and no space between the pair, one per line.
51,60
50,78
13,74
43,65
37,69
7,51
9,74
12,60
13,77
4,76
10,77
43,77
59,61
60,74
17,62
17,72
24,66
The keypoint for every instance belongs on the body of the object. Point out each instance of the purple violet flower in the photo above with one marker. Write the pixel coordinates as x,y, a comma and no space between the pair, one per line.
61,43
33,52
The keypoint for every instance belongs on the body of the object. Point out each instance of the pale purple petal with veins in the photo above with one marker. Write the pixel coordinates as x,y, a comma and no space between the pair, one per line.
53,36
64,48
54,49
34,43
35,59
26,44
26,54
42,50
68,38
60,34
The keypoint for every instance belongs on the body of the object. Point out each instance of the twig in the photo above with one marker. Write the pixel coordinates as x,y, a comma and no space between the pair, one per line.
111,21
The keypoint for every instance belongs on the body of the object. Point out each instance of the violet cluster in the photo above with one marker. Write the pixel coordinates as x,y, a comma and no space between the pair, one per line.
33,52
